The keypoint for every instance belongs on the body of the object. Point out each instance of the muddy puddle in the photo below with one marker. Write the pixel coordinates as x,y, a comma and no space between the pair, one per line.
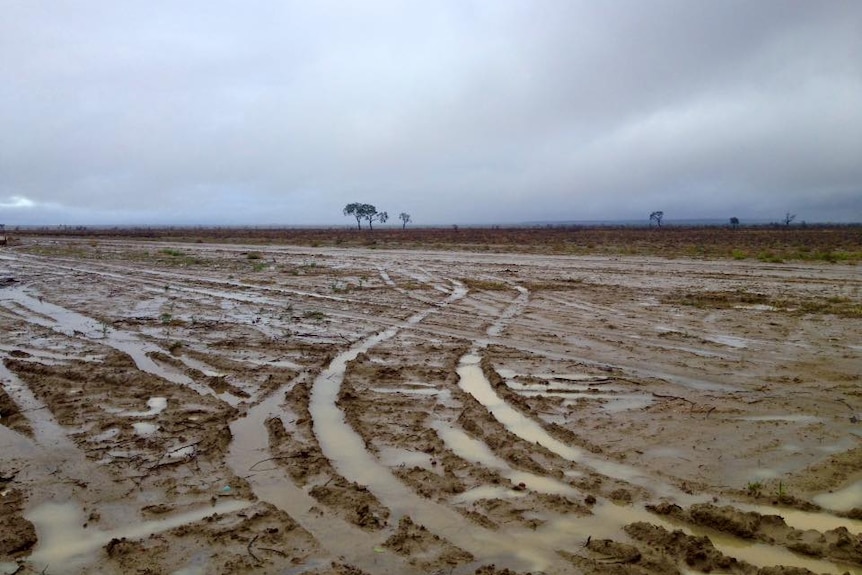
63,542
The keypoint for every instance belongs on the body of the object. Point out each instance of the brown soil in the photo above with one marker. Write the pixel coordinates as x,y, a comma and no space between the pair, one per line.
156,410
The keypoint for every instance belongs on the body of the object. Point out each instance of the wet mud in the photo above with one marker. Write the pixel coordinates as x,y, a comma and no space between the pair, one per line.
194,408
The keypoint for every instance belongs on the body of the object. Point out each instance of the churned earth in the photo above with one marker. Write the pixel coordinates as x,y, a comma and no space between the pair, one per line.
193,408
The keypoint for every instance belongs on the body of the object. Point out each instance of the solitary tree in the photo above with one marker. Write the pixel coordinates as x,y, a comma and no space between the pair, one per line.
788,218
405,219
354,209
360,212
656,217
734,222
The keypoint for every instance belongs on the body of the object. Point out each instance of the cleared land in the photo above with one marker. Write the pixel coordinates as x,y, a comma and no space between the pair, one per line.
195,407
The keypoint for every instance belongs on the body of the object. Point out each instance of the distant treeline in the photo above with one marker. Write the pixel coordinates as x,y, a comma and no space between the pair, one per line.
833,243
160,229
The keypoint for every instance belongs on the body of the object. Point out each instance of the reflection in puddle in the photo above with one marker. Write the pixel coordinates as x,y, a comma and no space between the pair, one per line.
62,540
729,340
144,429
763,555
606,522
476,451
756,307
487,492
850,497
806,519
760,473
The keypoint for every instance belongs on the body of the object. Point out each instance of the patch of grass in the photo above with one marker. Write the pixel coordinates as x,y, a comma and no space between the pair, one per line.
770,257
718,299
834,256
485,285
833,305
754,488
177,257
840,306
254,255
59,251
340,287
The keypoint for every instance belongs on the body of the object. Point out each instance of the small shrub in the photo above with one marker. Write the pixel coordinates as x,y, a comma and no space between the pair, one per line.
770,257
754,488
485,285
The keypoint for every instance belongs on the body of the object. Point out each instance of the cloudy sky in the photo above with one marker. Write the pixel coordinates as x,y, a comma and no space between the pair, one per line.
455,111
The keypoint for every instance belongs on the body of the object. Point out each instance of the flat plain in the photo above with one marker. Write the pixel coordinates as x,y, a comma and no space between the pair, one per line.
491,401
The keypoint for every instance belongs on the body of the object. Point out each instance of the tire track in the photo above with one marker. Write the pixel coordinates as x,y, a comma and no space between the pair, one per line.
346,451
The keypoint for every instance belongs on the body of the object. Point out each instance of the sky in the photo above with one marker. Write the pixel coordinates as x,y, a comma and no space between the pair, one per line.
268,112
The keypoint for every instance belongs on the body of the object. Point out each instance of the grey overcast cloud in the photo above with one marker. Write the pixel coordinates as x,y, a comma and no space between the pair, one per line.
455,111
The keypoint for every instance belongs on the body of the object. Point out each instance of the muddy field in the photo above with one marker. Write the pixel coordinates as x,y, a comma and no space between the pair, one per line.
209,408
